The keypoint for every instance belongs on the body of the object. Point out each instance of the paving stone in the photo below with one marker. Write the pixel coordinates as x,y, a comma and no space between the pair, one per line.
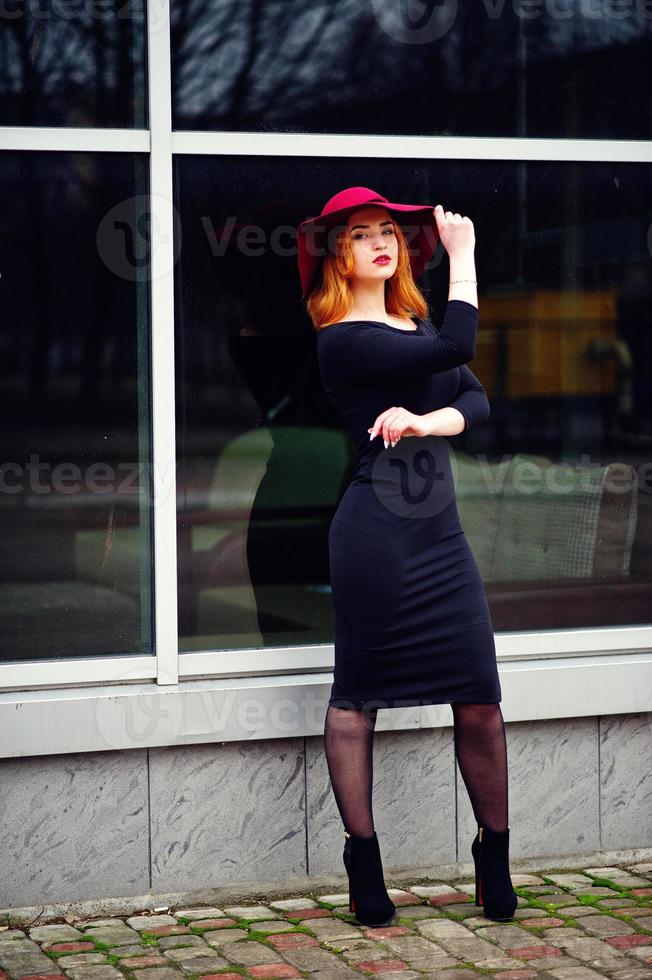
641,953
272,926
428,891
533,951
202,965
463,909
315,959
605,926
146,960
419,953
645,922
382,965
251,912
113,936
559,901
332,928
596,892
516,974
526,913
210,912
562,936
340,898
24,962
590,948
548,922
575,973
308,914
99,973
249,953
439,901
577,911
470,948
574,879
189,953
81,959
144,922
506,935
627,942
631,973
124,952
94,923
156,973
443,928
288,904
459,974
519,880
175,942
223,936
54,934
297,940
419,912
643,868
615,903
68,947
545,890
637,913
642,892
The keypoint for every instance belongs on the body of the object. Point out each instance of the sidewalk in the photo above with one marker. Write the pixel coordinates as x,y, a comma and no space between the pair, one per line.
575,924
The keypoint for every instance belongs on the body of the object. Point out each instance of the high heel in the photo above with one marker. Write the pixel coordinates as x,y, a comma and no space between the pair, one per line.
368,898
493,885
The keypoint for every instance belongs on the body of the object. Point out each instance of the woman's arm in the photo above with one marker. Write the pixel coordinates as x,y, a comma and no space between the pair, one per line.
365,352
469,407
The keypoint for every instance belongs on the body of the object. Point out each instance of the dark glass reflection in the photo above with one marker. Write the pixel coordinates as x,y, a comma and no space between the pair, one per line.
75,546
562,69
73,64
554,491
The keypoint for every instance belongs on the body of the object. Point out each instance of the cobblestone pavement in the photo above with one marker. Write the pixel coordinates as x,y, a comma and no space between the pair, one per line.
575,925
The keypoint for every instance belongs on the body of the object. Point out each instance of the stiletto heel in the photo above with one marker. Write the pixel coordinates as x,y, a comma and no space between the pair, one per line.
493,885
368,898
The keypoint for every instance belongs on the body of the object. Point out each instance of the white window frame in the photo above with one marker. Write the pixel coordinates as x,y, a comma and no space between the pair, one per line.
528,655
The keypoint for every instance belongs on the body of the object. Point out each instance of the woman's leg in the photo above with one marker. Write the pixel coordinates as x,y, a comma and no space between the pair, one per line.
481,751
348,744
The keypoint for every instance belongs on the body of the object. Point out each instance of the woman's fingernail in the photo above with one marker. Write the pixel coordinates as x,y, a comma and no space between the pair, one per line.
386,443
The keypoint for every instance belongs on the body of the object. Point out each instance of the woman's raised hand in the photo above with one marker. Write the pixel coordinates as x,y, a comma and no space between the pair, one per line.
455,230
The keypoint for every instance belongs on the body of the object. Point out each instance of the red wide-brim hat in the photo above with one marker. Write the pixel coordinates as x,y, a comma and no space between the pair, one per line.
417,222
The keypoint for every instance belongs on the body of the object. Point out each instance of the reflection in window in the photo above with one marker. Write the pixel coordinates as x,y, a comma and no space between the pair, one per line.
74,398
73,64
569,69
554,491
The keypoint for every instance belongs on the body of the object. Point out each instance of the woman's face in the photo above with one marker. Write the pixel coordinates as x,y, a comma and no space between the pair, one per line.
373,243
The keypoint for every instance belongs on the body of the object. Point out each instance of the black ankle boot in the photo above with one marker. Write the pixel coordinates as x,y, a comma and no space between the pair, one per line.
368,897
493,885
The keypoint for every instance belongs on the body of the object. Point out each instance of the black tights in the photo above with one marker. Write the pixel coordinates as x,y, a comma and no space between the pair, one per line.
480,751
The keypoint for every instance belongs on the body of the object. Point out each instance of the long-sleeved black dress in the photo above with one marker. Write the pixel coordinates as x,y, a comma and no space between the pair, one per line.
411,619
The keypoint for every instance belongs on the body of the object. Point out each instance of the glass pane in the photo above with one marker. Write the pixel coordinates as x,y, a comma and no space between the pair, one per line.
568,69
554,490
74,397
73,64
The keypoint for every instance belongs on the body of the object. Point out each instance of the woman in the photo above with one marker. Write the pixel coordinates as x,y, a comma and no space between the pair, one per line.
412,623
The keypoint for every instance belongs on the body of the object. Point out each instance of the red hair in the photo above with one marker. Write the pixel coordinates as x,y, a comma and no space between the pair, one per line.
332,298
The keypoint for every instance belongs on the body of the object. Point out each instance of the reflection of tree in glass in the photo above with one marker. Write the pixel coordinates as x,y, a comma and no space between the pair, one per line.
72,65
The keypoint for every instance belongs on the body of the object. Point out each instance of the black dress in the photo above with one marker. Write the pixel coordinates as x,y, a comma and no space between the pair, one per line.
411,621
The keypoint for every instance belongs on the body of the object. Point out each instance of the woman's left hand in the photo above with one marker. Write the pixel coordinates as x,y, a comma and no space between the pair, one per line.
395,422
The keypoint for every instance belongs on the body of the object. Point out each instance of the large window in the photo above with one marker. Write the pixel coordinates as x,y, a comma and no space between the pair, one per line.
74,399
171,462
73,64
551,68
553,492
